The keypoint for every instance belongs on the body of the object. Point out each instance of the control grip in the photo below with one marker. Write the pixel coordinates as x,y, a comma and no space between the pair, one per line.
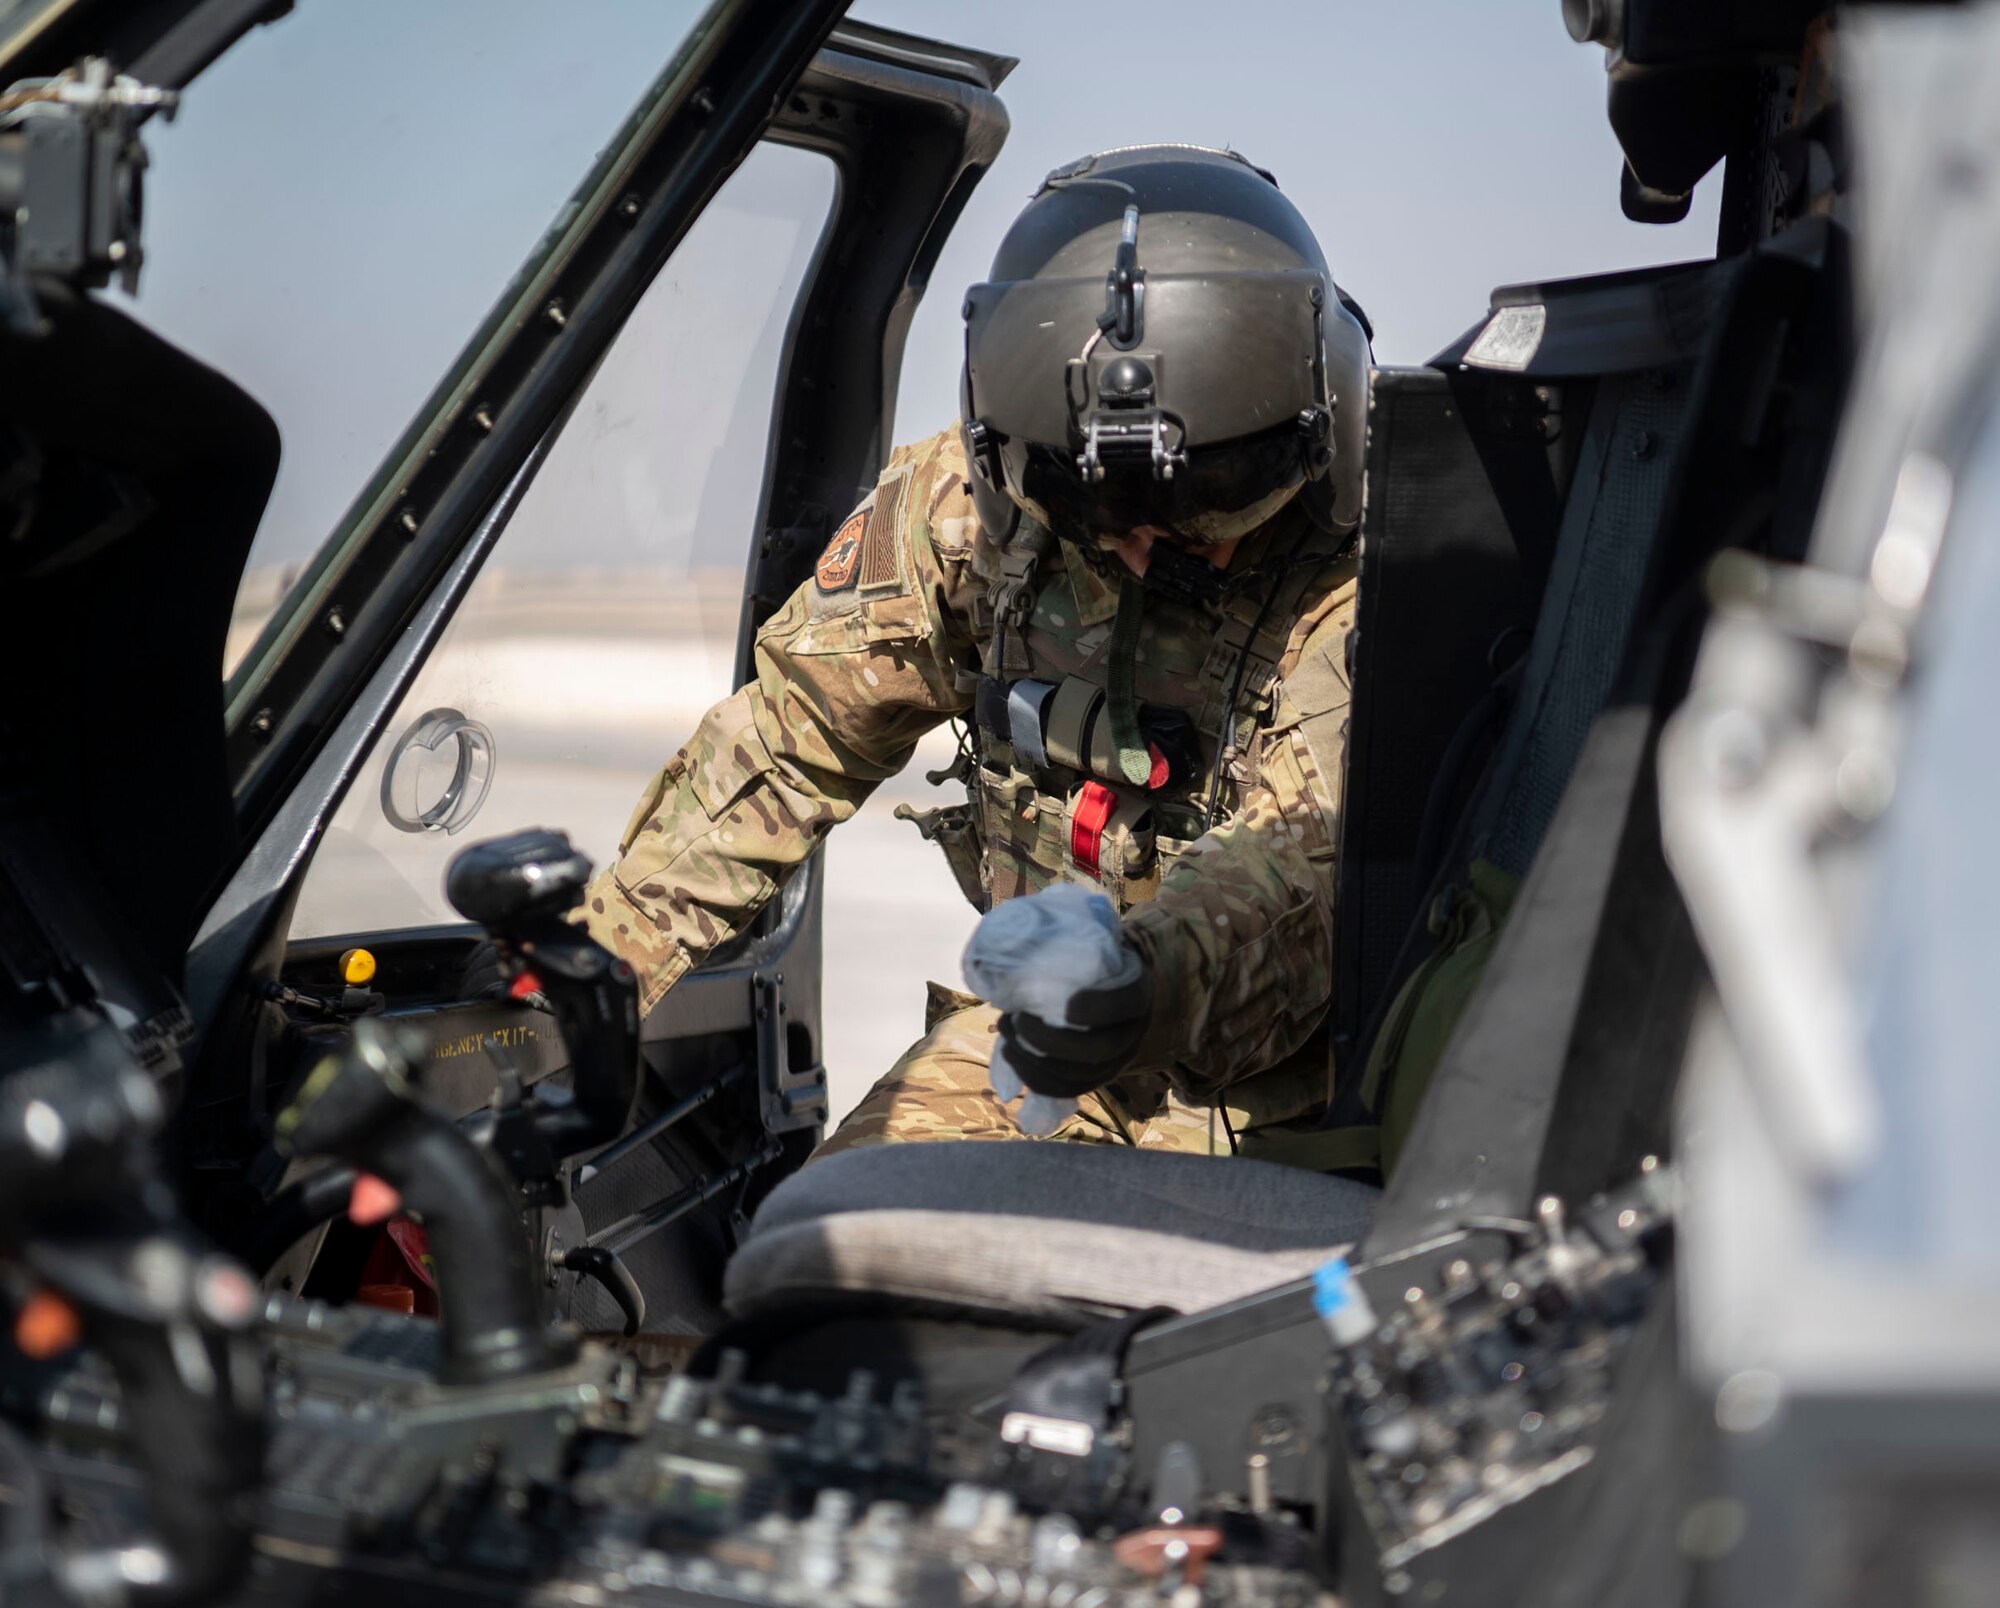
520,889
596,1003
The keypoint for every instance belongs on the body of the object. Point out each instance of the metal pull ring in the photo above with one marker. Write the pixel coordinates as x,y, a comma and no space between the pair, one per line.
471,777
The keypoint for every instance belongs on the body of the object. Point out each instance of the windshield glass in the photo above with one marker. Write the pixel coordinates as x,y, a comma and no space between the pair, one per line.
604,622
1933,1017
345,194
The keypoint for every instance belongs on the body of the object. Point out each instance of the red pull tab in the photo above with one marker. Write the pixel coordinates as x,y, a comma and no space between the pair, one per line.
524,985
372,1200
1161,770
1086,832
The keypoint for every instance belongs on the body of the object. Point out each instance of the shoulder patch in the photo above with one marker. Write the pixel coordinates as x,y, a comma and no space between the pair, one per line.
841,561
880,567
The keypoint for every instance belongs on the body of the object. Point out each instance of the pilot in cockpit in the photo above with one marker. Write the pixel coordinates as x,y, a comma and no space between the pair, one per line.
1129,572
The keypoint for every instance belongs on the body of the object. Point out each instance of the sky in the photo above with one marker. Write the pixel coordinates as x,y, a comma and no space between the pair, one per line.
1438,147
345,193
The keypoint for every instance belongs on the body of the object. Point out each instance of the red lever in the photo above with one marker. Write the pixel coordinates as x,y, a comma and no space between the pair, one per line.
524,985
1086,832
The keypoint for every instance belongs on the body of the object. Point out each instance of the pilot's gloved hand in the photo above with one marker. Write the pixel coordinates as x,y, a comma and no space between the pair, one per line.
1074,997
486,974
1096,1040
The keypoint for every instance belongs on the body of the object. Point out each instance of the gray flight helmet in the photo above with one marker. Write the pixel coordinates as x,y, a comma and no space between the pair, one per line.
1160,343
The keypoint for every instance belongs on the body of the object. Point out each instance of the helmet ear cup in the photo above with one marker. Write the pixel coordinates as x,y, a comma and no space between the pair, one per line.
1349,364
998,512
1316,458
1320,436
1316,498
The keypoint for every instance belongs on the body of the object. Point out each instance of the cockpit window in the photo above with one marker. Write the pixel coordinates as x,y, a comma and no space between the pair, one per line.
1923,964
605,620
343,196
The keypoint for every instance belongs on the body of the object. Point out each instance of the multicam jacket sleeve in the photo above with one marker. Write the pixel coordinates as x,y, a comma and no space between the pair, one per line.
1241,934
858,664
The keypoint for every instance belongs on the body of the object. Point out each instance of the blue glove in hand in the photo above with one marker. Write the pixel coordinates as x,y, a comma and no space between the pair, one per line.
1075,997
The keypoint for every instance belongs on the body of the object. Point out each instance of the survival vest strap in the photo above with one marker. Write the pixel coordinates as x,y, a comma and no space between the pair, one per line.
1012,599
1121,698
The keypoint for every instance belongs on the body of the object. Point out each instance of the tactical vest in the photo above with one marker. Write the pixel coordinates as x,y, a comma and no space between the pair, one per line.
1110,719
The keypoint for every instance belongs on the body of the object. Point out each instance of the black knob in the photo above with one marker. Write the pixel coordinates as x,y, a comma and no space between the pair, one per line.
1125,380
507,881
1594,22
71,1130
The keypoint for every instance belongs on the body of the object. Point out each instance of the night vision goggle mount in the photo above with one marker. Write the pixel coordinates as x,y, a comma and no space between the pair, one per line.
1123,424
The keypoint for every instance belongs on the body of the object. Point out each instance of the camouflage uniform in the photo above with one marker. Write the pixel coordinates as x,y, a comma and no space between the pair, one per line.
909,602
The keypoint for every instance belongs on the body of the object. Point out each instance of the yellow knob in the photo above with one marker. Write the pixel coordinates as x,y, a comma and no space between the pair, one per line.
357,966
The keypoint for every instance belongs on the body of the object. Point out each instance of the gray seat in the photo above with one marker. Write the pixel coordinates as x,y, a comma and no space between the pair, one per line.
1051,1232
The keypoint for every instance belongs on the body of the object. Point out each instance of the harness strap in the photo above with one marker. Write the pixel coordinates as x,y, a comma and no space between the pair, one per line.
1025,702
1012,599
1121,690
1094,807
1072,715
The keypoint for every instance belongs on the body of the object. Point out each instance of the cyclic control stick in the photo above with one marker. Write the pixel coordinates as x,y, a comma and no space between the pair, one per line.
360,1105
519,889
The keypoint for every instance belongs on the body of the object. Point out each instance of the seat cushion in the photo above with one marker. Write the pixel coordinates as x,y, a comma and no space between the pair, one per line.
1045,1231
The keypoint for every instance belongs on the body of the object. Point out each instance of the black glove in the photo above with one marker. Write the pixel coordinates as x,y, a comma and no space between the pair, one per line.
486,974
1065,1062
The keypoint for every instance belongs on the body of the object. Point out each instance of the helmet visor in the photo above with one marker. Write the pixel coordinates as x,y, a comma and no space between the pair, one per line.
1219,493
